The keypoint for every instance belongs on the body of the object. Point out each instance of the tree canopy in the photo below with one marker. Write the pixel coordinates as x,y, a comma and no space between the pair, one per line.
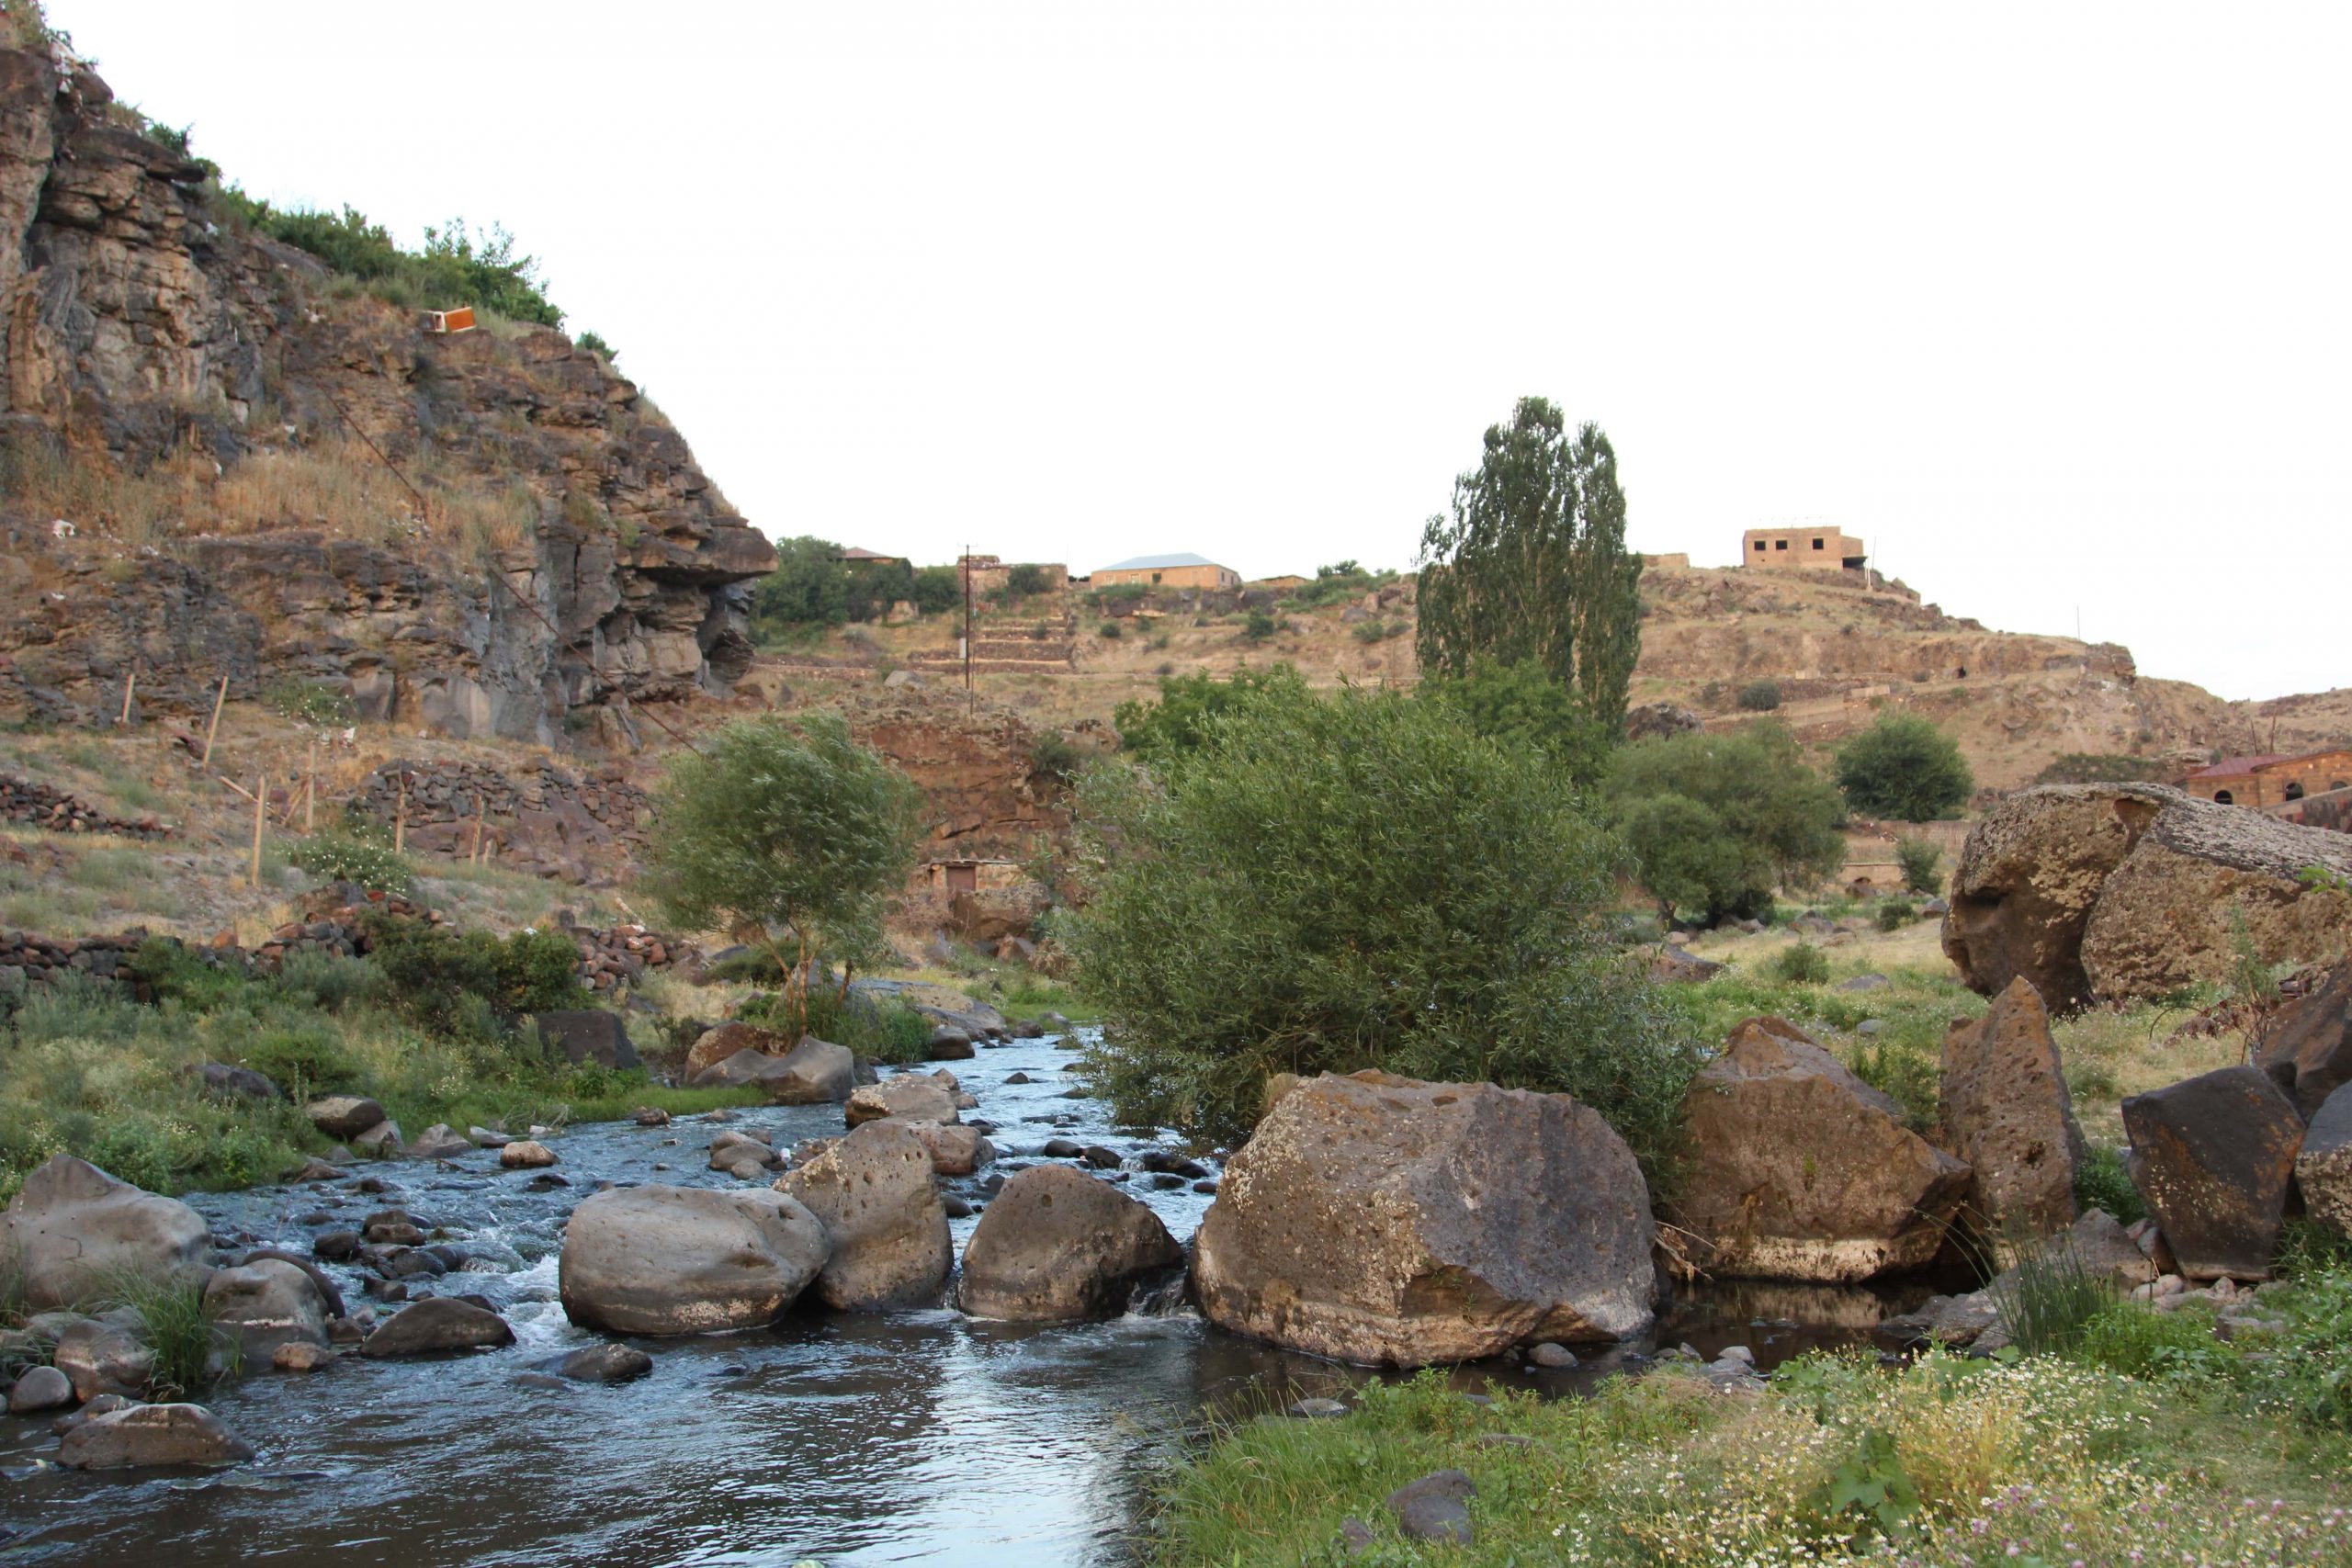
1524,704
1354,881
1531,565
1904,767
1178,722
1718,821
785,826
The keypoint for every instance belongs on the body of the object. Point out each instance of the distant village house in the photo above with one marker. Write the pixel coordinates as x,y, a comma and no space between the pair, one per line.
1801,549
1169,571
2272,780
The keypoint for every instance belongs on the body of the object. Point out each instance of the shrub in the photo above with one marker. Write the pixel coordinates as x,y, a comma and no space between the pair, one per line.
1920,861
1799,964
348,857
1524,703
1111,629
1893,914
786,826
1718,820
1905,768
937,588
2126,1338
1370,631
450,981
305,1060
454,267
1911,1076
2102,1182
1759,696
595,344
1190,706
1259,626
1024,579
1357,881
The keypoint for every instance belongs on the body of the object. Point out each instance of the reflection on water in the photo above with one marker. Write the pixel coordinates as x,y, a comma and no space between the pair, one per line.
858,1440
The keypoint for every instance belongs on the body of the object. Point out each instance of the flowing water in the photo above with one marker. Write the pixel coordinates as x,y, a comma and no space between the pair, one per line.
854,1440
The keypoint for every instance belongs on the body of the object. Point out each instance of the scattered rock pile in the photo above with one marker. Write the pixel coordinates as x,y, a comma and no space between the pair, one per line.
543,819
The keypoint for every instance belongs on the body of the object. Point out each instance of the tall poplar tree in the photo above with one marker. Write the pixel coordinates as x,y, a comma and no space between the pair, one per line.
1531,567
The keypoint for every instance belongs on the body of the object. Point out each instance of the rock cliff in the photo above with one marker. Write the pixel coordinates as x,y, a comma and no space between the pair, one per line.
222,460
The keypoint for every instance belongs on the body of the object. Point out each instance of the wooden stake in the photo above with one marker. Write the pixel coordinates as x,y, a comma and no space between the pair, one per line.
400,817
261,810
234,784
482,810
129,685
219,697
311,786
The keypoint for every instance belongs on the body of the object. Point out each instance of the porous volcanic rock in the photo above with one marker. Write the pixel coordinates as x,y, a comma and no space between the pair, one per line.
2006,1111
143,1434
1058,1246
1799,1171
2212,1157
2115,891
874,1192
906,1097
264,1304
2324,1165
662,1259
1382,1220
2307,1044
716,1045
71,1228
815,1072
589,1034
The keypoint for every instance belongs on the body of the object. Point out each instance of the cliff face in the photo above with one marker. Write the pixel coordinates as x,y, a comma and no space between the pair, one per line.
265,473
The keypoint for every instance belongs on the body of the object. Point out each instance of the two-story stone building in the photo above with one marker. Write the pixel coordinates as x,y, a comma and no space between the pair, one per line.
2272,780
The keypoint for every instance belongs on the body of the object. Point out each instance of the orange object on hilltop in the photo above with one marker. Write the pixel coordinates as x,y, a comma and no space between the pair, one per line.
461,320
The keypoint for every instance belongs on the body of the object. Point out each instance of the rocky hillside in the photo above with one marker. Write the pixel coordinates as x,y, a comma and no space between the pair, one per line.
222,459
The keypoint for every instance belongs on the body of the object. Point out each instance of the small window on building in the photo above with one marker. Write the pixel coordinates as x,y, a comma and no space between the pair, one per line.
1816,544
1779,544
2339,783
1155,577
1759,546
2223,797
2294,789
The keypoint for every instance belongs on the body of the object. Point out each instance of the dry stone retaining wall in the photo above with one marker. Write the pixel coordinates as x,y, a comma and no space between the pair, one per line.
40,806
543,819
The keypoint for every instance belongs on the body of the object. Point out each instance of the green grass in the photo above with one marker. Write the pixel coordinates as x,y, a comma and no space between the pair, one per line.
2060,1462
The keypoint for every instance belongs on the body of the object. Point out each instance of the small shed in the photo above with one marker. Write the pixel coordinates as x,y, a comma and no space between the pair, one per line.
461,320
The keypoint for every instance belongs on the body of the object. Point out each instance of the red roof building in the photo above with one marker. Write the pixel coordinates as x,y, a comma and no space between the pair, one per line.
2272,779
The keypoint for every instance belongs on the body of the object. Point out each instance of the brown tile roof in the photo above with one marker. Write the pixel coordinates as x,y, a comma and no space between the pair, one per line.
2238,767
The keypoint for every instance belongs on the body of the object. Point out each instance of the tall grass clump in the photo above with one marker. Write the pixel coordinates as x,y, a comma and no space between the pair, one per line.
2049,1295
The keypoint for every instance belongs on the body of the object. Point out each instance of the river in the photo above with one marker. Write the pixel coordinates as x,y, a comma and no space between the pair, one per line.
853,1441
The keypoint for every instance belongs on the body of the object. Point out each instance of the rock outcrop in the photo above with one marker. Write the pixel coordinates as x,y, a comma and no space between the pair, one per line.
136,320
2212,1157
264,1304
1381,1220
71,1228
146,1434
874,1194
1058,1246
906,1097
815,1072
1800,1170
661,1259
2307,1044
2111,891
2324,1164
2006,1111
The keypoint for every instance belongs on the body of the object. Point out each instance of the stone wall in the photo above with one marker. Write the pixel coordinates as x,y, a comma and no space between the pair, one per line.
544,818
38,806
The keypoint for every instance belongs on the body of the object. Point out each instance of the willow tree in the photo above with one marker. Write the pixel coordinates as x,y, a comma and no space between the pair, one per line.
1531,566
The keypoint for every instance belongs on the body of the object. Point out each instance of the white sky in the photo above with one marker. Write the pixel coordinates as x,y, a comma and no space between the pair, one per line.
2047,303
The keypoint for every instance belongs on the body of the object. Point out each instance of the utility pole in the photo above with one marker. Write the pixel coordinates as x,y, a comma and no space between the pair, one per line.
971,706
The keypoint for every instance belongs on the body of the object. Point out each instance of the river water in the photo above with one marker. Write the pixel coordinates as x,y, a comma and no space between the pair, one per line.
854,1440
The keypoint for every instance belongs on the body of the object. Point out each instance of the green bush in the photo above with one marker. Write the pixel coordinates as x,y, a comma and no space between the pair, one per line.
1799,964
305,1061
1370,631
1718,821
937,588
1363,882
1893,914
1111,629
348,857
1526,703
1190,706
2126,1338
2102,1182
1024,579
1905,768
454,981
1759,696
1257,626
454,267
1904,1072
595,344
1920,862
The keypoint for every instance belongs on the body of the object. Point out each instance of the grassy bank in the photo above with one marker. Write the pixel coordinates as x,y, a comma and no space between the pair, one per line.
2150,1441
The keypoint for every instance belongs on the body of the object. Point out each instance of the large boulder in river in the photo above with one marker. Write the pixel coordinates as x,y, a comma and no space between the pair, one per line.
434,1326
1058,1246
872,1191
1799,1171
906,1097
2110,891
72,1229
264,1304
143,1434
2212,1157
1381,1220
662,1259
344,1115
2324,1165
715,1045
2006,1111
2307,1044
815,1072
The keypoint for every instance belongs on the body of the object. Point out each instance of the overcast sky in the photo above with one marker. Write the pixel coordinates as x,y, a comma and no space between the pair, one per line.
2049,303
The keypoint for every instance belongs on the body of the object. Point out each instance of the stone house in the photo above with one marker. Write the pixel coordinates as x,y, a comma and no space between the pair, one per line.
2272,780
1169,571
1801,549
